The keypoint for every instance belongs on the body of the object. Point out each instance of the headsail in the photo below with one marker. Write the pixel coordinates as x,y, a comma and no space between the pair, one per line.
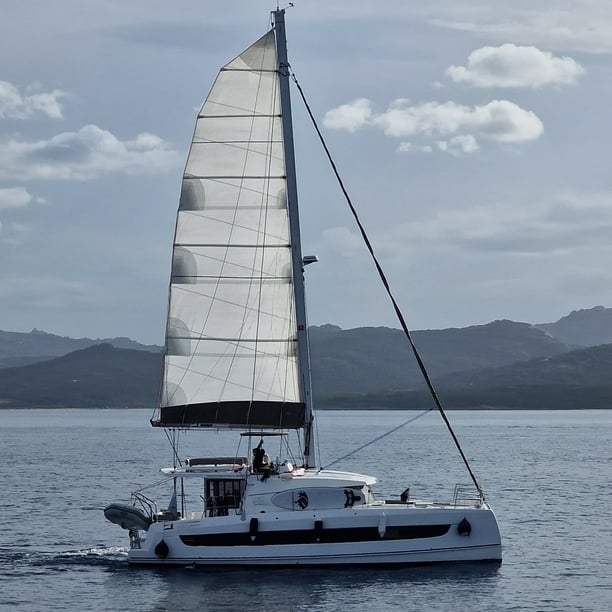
230,357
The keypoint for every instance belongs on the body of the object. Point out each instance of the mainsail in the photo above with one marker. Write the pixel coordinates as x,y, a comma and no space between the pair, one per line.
230,355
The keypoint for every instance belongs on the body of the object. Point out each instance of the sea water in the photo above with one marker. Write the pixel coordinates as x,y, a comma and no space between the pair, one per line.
546,474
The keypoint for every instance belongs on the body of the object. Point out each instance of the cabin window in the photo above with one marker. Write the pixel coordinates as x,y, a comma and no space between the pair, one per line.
223,495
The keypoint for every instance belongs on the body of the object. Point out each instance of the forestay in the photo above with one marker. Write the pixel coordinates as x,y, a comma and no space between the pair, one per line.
230,357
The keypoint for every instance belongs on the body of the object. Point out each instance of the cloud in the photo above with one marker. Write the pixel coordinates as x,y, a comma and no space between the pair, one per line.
585,25
350,117
17,197
17,105
87,154
14,233
452,127
459,144
514,66
409,147
48,291
564,223
341,241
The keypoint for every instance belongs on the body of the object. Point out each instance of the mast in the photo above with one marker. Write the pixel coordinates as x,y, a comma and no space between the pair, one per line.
303,348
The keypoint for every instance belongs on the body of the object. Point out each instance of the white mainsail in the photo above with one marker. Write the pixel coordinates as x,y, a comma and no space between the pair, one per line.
230,357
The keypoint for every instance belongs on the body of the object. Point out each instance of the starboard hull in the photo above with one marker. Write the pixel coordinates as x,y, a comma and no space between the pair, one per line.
395,536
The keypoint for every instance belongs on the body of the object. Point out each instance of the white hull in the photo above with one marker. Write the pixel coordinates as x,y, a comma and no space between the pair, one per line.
482,544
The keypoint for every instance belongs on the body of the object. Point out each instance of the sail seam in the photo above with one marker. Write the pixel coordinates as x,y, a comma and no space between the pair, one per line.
234,278
235,176
235,116
212,298
256,70
237,225
233,245
227,142
231,339
253,113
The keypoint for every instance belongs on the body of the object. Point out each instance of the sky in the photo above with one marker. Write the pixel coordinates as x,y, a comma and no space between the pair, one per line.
473,138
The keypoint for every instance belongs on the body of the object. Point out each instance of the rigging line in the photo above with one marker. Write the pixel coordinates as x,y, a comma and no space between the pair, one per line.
356,450
154,484
396,307
174,445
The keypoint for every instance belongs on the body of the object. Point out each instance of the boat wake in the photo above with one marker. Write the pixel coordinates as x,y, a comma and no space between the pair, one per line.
113,555
16,562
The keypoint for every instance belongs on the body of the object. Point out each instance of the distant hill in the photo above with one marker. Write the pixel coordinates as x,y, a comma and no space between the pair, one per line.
368,359
18,348
500,364
98,376
371,367
587,327
576,379
587,367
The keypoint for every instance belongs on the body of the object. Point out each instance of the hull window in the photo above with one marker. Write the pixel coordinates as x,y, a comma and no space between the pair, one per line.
313,536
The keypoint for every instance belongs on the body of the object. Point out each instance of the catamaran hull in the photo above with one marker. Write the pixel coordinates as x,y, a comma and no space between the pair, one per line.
186,542
322,555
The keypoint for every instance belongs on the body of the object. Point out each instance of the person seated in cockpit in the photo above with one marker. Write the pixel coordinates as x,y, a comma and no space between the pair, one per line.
259,455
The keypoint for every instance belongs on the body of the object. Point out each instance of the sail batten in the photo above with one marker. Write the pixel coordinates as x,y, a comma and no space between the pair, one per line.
221,177
234,116
231,357
226,69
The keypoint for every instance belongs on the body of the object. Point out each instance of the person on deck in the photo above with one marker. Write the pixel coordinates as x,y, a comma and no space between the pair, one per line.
258,456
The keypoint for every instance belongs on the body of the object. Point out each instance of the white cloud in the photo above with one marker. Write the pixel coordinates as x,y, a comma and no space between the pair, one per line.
453,127
350,117
17,197
87,154
409,147
17,105
514,66
465,143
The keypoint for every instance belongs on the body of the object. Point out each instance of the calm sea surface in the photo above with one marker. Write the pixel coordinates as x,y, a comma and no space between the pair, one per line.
548,476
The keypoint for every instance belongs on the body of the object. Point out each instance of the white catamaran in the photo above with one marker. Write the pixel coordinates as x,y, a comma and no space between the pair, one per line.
237,357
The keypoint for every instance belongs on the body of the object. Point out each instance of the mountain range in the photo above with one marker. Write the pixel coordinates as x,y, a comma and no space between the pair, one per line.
565,364
18,348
